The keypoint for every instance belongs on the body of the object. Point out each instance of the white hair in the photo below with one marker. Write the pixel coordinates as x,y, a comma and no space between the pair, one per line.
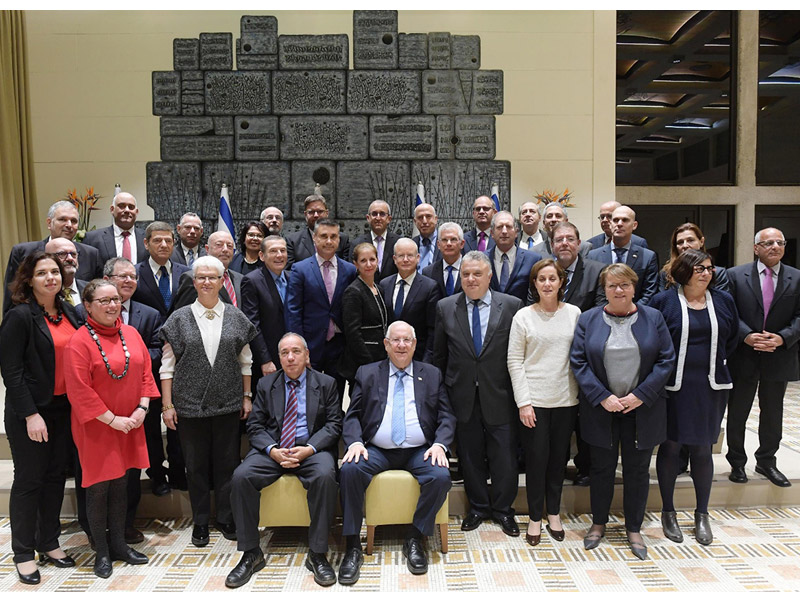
208,261
758,235
389,329
455,227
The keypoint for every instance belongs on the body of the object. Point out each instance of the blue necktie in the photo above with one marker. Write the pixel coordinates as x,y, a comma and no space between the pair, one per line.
476,327
398,303
450,284
530,243
280,282
620,252
399,410
163,286
569,281
425,253
190,258
504,273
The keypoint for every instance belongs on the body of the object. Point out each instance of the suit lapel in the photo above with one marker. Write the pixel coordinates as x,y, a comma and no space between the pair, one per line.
318,278
755,284
41,323
411,296
272,289
383,388
108,241
308,242
278,400
312,401
461,319
577,277
632,258
494,319
146,277
338,289
784,281
419,388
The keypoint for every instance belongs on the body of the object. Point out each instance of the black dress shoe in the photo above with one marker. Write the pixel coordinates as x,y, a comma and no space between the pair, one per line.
350,569
160,488
61,563
200,535
29,579
581,479
509,525
416,561
738,475
775,476
228,530
133,536
252,562
471,521
317,563
103,567
130,556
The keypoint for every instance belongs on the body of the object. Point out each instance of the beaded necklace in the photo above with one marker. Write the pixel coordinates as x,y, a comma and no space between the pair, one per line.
103,354
54,320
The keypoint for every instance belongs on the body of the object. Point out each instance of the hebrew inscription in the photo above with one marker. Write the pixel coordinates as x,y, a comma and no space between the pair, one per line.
407,137
313,52
375,39
256,138
308,92
383,92
237,93
339,138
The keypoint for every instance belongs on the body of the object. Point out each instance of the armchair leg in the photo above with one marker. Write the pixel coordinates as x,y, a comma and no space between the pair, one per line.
443,534
370,538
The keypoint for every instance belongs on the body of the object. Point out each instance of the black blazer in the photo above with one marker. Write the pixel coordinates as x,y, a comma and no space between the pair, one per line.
103,240
419,310
186,293
435,271
643,261
368,404
147,290
600,240
28,359
387,266
365,319
179,257
584,289
300,245
323,412
261,303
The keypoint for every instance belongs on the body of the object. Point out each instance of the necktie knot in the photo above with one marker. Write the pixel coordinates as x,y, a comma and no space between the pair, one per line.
530,243
379,238
293,384
426,241
125,234
400,374
327,264
620,252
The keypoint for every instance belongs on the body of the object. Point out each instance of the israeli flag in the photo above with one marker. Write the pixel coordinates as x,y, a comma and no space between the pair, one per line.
496,196
420,199
225,221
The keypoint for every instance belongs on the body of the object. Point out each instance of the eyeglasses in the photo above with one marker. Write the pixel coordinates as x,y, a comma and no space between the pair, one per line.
764,244
623,286
125,277
107,301
604,218
398,341
316,212
209,278
255,236
378,214
405,256
64,254
700,268
483,209
568,239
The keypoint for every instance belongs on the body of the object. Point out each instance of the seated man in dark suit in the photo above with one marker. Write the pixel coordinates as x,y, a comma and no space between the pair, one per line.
300,244
412,297
294,428
446,271
511,266
604,239
190,236
376,442
122,238
379,216
220,245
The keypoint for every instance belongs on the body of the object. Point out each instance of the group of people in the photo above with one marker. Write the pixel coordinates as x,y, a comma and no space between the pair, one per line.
485,345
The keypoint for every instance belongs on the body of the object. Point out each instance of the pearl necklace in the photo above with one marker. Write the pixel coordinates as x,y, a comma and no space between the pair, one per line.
103,354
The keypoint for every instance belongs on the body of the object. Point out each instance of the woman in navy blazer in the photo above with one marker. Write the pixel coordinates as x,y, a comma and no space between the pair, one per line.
33,337
703,322
626,348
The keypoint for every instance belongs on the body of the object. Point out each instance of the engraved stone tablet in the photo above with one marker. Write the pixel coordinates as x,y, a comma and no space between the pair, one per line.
413,50
256,62
251,187
308,92
305,175
465,52
173,189
313,51
236,92
398,138
257,43
258,24
187,125
359,183
256,138
166,93
216,51
197,147
487,93
375,39
445,140
333,138
223,125
442,93
192,97
439,50
475,137
185,54
383,92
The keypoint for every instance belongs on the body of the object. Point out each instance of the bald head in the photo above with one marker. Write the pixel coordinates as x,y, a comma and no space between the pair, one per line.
220,245
606,208
66,252
623,224
124,210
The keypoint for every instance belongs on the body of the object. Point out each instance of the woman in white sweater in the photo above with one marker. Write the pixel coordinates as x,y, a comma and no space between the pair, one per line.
545,392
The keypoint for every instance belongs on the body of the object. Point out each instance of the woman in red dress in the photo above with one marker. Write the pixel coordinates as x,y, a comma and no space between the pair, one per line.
109,383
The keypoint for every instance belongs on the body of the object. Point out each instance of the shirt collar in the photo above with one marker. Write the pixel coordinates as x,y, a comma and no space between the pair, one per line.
486,299
301,380
409,369
571,268
118,230
127,305
511,253
374,237
274,277
456,265
186,249
626,246
761,266
433,237
155,267
321,260
199,310
409,280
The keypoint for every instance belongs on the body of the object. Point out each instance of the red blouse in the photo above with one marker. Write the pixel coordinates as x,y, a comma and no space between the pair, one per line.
61,333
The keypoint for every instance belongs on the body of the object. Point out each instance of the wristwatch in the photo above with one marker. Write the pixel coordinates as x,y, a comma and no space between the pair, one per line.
248,394
146,409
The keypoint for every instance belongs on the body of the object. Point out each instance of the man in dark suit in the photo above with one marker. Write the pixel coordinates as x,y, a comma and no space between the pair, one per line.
314,300
263,297
767,295
190,236
511,266
604,239
376,442
412,297
220,245
300,245
379,216
294,428
583,274
553,214
529,218
480,238
446,270
62,221
159,277
470,348
425,221
622,249
68,255
122,238
272,217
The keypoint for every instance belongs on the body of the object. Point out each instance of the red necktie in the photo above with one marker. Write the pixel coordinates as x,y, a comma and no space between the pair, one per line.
289,428
126,245
226,281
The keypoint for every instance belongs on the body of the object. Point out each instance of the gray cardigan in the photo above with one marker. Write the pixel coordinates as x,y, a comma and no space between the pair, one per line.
200,389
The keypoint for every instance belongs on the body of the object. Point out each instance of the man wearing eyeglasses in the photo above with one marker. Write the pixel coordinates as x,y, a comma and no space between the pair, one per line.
66,252
379,215
300,245
272,217
767,295
480,238
603,239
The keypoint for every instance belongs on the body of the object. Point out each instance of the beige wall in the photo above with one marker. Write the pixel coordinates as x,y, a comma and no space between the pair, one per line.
91,101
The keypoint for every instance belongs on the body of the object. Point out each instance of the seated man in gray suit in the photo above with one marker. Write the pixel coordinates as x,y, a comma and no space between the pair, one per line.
294,428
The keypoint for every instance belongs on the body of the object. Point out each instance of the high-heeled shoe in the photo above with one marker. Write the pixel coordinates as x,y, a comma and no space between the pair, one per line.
61,563
31,578
670,527
592,539
556,534
534,540
702,529
638,549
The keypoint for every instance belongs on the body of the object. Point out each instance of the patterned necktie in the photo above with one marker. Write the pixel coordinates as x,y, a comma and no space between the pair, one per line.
477,340
504,272
68,295
289,428
124,314
399,410
126,245
226,281
190,257
450,284
327,276
163,286
398,303
569,281
767,292
482,241
620,252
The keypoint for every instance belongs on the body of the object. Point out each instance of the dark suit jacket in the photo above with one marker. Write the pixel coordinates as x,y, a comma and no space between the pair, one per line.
641,260
471,241
300,246
28,359
454,354
657,363
179,257
435,271
103,240
89,265
584,288
368,404
419,310
364,327
261,303
147,291
519,277
323,412
783,318
147,321
387,266
546,250
600,240
187,294
307,307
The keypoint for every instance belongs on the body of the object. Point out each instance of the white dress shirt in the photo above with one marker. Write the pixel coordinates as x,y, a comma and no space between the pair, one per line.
409,280
118,241
414,435
156,268
498,260
537,239
775,272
